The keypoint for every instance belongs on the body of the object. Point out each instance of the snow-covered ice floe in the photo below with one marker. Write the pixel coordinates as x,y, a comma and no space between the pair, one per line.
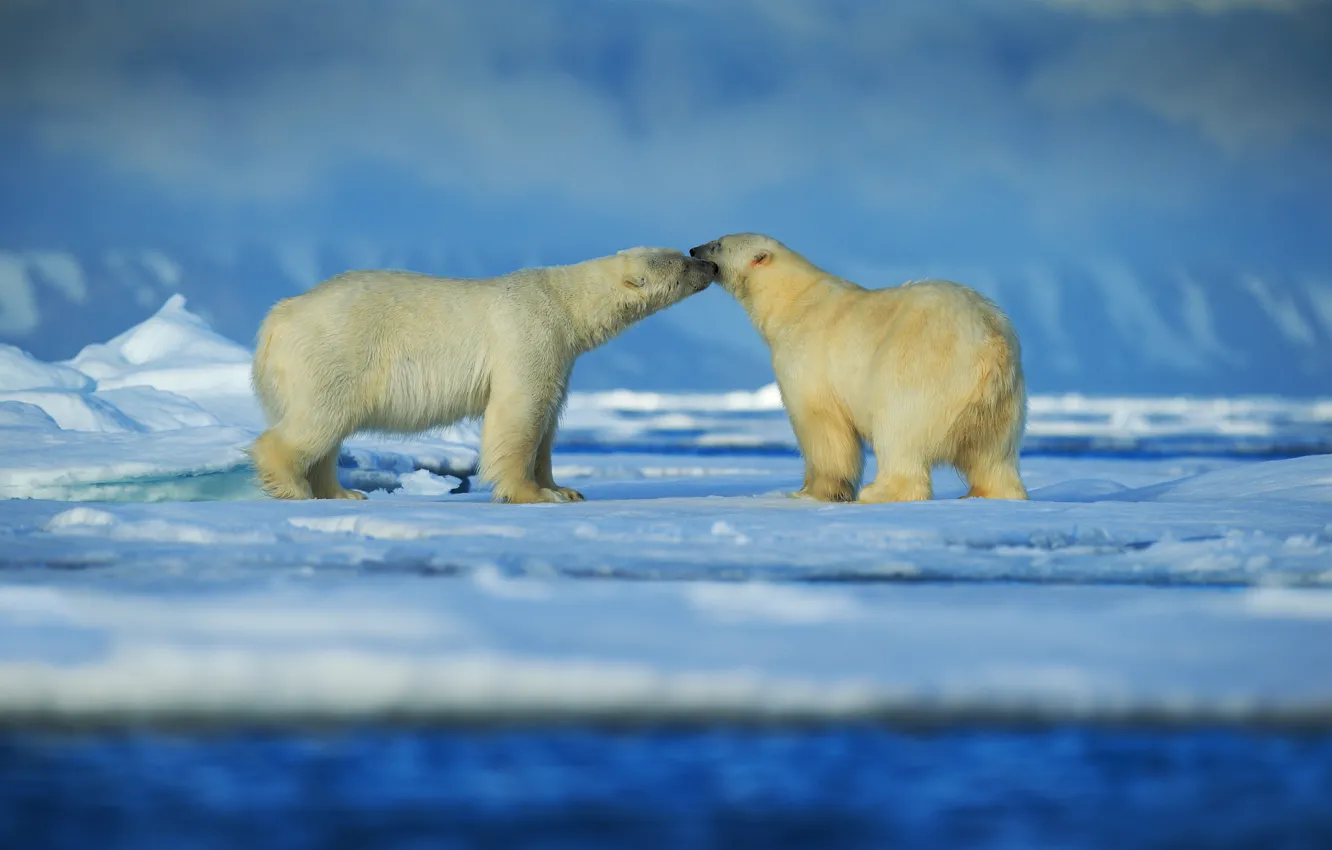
1185,587
1231,524
702,595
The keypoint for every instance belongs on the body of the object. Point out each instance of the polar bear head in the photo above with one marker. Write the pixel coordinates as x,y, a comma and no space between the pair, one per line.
748,261
620,289
665,275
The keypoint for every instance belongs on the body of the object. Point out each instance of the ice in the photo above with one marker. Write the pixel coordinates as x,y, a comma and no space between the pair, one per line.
75,411
1306,479
744,527
204,463
156,410
19,370
18,416
1174,564
172,347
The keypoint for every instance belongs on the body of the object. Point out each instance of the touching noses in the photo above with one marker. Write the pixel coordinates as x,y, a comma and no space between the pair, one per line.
700,252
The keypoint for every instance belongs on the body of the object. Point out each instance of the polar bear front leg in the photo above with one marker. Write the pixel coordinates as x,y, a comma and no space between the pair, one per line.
834,458
515,425
545,477
323,478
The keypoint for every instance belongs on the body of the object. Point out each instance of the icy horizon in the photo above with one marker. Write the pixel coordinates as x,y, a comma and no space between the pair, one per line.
1097,326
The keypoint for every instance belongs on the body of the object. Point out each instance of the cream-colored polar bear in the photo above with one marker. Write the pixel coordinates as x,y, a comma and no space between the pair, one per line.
928,373
402,352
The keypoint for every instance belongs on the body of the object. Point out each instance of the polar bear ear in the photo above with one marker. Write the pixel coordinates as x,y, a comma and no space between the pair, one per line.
636,282
761,258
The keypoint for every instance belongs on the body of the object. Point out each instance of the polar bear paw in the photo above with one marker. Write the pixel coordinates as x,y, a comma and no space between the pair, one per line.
827,492
538,495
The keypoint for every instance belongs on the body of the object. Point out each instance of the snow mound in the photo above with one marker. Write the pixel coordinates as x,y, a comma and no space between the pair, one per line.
125,386
175,351
157,410
19,370
75,411
21,415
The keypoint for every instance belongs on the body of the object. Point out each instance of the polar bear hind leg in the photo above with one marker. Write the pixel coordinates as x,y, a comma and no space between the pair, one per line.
987,440
990,480
285,457
988,460
280,467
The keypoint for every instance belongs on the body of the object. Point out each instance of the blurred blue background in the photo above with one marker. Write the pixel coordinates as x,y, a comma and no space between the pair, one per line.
1144,185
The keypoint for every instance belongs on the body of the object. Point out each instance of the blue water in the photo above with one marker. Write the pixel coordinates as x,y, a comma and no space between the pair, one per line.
561,787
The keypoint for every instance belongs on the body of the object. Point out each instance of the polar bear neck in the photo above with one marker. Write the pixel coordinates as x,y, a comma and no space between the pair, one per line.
778,303
595,301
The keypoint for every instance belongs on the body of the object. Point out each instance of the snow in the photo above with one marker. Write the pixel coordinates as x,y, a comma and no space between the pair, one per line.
20,415
22,371
73,411
1183,573
173,350
487,648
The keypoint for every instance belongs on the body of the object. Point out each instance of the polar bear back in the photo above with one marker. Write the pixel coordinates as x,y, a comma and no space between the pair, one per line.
402,350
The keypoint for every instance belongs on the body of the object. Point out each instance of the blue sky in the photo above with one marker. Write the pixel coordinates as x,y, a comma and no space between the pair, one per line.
1151,131
970,127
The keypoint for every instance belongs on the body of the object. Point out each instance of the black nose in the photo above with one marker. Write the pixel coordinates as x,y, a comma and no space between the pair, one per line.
693,252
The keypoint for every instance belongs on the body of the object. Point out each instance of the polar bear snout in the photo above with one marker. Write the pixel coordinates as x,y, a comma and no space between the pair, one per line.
699,274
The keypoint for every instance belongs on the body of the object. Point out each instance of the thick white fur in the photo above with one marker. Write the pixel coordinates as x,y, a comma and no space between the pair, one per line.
402,352
927,373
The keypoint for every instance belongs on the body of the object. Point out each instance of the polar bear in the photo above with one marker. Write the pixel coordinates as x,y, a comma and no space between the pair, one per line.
927,373
401,352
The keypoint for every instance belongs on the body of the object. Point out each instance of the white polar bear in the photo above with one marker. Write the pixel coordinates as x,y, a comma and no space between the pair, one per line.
928,373
401,352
